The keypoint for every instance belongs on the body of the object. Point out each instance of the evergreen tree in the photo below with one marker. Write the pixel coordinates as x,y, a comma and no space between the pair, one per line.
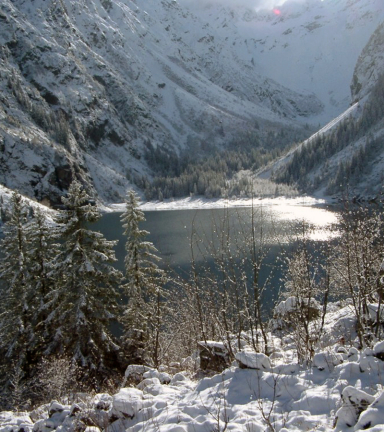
143,286
41,252
84,300
15,318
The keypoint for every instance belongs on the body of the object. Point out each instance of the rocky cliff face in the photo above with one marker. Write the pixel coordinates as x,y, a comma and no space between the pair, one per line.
87,85
369,66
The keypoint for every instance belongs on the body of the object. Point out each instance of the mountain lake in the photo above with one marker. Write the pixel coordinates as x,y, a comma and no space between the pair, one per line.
175,233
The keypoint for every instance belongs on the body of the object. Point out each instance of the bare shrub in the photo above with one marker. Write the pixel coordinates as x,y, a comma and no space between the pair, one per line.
57,378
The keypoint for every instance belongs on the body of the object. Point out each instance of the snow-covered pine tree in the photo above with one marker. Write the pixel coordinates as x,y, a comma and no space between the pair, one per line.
15,314
144,280
84,301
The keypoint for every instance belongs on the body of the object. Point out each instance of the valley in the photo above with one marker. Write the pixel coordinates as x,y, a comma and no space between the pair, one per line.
171,255
94,91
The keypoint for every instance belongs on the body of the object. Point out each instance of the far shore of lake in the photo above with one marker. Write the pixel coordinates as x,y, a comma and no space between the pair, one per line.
201,203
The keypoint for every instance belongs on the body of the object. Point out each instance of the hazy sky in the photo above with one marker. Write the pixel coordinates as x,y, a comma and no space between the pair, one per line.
254,4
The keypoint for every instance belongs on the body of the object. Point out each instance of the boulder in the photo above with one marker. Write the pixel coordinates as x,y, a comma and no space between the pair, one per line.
177,378
134,374
354,403
213,356
373,416
291,305
103,401
378,350
253,360
151,386
127,403
353,354
12,422
327,360
163,377
148,382
54,408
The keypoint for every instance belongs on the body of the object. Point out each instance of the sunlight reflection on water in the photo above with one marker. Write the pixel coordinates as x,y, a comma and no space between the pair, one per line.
320,219
282,209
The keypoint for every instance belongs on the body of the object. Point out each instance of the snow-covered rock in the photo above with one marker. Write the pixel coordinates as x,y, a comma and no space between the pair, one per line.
368,362
102,401
177,378
356,397
134,373
285,306
127,403
327,360
253,360
59,417
56,408
292,304
353,354
378,350
354,402
163,377
213,356
148,382
372,416
39,413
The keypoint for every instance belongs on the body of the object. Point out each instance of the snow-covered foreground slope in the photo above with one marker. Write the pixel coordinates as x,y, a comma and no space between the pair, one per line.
341,390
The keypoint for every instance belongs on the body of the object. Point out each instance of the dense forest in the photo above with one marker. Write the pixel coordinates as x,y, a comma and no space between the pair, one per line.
213,172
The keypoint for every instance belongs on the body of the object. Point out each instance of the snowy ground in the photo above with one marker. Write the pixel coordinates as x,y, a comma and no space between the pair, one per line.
6,194
342,390
205,203
190,203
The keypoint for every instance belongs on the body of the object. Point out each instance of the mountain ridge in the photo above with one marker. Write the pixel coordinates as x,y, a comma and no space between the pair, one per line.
346,158
87,85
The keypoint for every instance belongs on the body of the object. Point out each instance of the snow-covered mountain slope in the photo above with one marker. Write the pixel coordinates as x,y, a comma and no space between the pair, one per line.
267,171
345,160
85,85
308,45
348,153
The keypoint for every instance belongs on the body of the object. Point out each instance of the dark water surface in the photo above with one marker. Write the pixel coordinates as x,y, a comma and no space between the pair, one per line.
171,233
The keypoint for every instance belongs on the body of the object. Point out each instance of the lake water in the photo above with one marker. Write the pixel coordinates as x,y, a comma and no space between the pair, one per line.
171,232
